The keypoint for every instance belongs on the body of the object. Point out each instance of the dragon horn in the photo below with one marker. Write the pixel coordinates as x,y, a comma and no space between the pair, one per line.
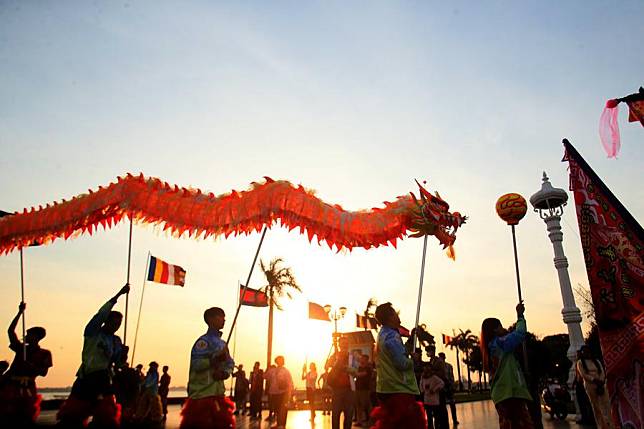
424,194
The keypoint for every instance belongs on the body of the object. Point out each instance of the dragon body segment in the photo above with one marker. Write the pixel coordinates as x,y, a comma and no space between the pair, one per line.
199,214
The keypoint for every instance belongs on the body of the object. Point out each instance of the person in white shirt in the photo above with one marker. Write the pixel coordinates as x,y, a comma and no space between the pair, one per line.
282,388
430,386
311,378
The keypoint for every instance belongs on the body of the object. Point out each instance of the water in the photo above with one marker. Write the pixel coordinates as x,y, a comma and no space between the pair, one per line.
63,393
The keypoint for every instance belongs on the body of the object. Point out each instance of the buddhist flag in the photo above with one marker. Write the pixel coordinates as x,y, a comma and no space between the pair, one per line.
366,322
162,272
316,311
252,297
613,245
446,339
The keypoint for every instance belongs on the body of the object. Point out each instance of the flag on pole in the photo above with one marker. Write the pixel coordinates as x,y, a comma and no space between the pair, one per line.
613,245
162,272
252,297
316,311
446,339
366,322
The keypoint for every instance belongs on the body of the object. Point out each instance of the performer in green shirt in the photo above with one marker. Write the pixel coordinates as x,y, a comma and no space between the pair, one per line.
395,379
509,389
207,406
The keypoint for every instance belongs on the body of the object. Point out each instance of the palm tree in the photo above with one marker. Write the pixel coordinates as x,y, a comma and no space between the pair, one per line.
475,359
470,341
454,344
280,283
465,341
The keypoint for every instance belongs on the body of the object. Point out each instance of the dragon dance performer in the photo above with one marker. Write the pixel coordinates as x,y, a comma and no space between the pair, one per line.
210,364
395,382
19,398
92,393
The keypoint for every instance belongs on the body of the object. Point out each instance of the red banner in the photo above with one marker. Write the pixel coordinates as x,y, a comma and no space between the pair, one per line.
252,297
613,245
317,312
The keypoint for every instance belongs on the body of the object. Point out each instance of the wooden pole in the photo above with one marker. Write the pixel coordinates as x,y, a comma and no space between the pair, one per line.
420,292
516,268
127,295
250,273
22,299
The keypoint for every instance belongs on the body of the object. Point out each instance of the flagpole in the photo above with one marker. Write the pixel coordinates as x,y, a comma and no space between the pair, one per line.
138,319
22,299
127,295
243,293
420,292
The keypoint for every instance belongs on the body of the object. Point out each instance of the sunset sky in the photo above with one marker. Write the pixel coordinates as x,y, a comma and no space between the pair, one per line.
352,99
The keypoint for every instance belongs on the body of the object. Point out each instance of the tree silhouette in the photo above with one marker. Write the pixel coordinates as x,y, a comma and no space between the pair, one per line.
281,283
465,341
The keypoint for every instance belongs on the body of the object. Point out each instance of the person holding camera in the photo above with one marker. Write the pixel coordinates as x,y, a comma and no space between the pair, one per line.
594,378
93,393
207,406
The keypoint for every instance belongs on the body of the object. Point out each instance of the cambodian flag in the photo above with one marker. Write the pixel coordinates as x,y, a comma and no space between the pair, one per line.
162,272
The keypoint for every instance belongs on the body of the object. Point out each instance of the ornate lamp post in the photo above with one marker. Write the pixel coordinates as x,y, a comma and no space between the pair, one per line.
549,203
335,315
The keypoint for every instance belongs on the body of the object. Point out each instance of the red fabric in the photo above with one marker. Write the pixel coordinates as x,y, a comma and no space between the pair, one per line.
636,111
398,411
19,404
316,311
190,211
76,412
213,412
513,414
613,245
252,297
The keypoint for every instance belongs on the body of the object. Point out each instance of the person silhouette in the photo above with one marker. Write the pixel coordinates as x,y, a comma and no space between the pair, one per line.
207,406
92,392
19,398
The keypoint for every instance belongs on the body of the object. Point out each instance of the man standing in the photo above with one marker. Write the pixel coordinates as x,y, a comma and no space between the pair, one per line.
363,386
92,393
19,399
283,389
241,390
164,390
396,383
210,364
342,369
449,387
256,392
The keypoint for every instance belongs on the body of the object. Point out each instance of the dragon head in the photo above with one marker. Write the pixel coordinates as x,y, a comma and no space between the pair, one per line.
432,217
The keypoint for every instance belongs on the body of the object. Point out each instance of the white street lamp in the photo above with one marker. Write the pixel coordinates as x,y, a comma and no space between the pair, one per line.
549,203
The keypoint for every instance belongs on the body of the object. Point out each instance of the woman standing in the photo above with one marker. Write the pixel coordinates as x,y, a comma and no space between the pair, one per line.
311,377
509,389
590,369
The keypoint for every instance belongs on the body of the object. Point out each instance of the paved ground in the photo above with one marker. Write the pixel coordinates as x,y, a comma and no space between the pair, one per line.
475,415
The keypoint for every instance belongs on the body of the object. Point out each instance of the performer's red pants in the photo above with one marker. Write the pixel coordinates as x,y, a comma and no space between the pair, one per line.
212,412
398,410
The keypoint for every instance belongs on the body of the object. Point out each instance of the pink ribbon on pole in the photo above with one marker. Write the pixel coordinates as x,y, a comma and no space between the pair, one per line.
609,129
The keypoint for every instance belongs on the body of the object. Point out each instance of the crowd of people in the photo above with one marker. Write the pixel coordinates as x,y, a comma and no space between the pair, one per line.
402,390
